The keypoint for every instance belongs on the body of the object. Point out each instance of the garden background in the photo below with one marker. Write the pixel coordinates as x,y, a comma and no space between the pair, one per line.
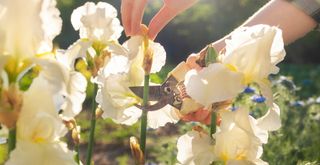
297,142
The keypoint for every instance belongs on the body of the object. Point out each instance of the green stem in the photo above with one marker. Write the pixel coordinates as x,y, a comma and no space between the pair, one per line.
92,127
11,140
77,156
144,117
213,123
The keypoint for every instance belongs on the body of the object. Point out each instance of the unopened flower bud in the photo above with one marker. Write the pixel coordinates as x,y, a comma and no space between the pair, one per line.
136,151
147,61
76,135
70,124
99,61
99,113
200,130
221,105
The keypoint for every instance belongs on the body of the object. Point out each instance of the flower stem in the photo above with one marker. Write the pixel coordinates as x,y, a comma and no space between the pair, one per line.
12,140
77,156
213,123
144,117
92,127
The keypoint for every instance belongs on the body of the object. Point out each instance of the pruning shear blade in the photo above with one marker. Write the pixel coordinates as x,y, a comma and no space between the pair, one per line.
164,94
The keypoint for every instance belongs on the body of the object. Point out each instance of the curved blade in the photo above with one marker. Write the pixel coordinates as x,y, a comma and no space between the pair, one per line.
165,94
154,92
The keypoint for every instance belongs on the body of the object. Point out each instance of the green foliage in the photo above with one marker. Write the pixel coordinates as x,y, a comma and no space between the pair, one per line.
27,78
298,139
211,56
123,160
297,142
3,153
204,23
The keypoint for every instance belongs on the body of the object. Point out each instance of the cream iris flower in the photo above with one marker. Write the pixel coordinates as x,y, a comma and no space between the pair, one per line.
39,129
114,96
195,148
251,56
41,154
238,140
68,85
98,23
255,51
215,83
27,28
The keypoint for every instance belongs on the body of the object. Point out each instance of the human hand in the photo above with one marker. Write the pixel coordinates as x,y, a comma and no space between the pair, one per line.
132,13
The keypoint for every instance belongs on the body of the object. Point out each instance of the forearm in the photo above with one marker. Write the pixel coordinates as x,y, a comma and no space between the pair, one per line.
293,21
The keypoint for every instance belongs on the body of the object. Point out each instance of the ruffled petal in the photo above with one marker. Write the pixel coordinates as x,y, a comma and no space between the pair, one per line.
161,117
42,154
77,50
195,148
266,91
97,22
117,101
271,121
76,89
28,27
213,84
254,51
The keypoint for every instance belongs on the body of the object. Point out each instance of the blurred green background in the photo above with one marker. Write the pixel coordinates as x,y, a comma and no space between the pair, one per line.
204,23
298,141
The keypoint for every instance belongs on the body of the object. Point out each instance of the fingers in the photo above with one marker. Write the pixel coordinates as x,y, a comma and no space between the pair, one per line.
170,9
192,62
137,15
131,15
126,10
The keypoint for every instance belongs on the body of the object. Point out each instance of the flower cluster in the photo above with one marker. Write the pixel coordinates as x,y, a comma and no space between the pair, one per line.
250,56
42,88
34,110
